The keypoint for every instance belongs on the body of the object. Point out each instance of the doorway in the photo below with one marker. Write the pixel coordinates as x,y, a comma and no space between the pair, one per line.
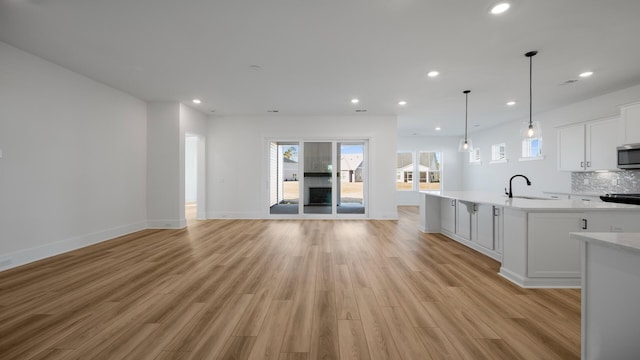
190,177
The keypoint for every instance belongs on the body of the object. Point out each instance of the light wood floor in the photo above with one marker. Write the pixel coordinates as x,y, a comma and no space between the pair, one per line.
238,289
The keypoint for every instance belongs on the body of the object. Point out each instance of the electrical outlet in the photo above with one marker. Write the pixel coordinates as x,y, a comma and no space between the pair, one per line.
586,181
614,181
616,228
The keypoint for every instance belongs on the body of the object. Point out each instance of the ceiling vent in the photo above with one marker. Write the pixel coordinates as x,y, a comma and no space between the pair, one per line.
570,81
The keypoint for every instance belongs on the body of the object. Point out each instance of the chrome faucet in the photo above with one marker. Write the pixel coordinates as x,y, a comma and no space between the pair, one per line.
510,193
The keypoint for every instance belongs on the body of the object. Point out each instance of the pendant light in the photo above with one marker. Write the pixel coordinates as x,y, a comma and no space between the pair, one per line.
530,129
465,144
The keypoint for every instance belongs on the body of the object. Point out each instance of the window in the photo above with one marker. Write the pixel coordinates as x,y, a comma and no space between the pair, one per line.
429,167
498,154
404,171
531,149
426,170
474,156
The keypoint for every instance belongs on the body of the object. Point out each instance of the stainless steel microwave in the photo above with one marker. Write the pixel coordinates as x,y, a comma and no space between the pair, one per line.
629,156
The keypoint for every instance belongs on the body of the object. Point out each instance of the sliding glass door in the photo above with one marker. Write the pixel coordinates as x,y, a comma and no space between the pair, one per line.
284,170
330,178
351,177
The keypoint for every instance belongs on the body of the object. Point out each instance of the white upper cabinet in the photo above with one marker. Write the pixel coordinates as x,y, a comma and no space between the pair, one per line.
571,140
602,140
631,123
589,146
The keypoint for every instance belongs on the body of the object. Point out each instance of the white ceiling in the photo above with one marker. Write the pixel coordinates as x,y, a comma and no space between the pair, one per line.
314,56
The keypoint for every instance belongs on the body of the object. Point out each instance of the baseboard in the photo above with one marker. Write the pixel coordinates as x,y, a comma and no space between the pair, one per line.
490,253
235,215
26,256
167,224
385,216
541,283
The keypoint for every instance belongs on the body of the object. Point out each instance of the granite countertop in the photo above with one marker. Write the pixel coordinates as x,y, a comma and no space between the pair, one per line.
540,204
621,241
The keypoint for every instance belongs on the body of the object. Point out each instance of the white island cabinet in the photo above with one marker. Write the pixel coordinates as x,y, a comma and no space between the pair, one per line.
529,237
610,294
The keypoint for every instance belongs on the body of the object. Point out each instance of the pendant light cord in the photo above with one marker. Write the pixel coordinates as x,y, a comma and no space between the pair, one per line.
530,90
466,112
530,55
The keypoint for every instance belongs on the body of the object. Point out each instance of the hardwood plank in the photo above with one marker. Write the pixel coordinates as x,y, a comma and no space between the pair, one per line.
353,343
238,348
377,333
437,344
215,335
297,337
324,332
269,340
293,356
406,338
346,306
251,321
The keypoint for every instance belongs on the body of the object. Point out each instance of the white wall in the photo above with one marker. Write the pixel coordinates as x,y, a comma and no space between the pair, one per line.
237,158
451,175
74,158
543,174
165,166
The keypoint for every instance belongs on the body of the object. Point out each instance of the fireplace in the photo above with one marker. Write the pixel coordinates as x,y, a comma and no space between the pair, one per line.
319,196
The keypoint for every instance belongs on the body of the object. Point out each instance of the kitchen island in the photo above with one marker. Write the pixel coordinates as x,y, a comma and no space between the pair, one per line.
610,293
529,236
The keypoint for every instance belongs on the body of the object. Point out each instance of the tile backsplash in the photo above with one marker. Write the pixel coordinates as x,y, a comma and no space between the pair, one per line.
627,181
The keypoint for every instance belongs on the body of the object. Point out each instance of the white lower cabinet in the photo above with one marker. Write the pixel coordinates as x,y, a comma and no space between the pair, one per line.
551,252
463,223
483,226
498,230
480,225
448,215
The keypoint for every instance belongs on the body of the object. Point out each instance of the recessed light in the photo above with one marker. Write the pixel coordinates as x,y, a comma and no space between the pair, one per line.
438,128
586,74
402,103
197,101
355,101
433,73
500,7
511,103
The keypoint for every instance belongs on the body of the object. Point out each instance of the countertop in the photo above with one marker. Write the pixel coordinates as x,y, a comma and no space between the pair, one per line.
574,193
622,241
498,199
